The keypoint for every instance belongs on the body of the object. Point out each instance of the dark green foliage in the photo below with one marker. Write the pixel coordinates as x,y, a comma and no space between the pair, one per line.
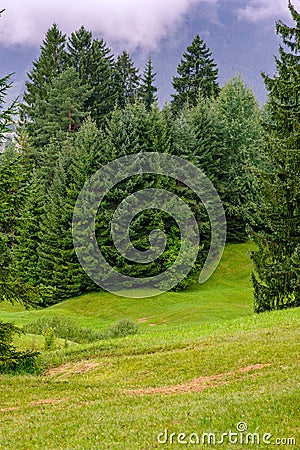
238,142
130,131
79,52
61,146
52,61
11,193
93,62
196,137
57,264
12,286
6,114
133,130
276,279
25,256
197,76
60,111
222,137
83,68
11,180
126,80
147,88
11,360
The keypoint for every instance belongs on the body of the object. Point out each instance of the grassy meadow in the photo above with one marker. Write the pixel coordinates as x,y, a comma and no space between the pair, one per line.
201,362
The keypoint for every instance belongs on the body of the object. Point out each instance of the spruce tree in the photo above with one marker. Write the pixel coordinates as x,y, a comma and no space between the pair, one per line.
60,113
6,113
11,198
276,278
197,75
194,138
93,61
206,150
127,80
238,141
12,287
62,110
51,62
79,52
25,256
147,88
55,238
57,264
133,130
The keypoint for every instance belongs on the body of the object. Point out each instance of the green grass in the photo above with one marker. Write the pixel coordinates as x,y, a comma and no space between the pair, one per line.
226,295
88,399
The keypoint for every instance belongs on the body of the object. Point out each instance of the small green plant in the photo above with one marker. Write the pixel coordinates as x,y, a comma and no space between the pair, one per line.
124,327
49,336
33,343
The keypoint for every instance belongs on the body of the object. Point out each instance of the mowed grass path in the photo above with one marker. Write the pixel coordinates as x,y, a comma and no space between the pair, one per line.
201,371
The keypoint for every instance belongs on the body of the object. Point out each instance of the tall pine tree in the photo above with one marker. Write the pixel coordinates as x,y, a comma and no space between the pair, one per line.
51,62
11,198
276,278
93,61
57,264
197,75
127,80
62,109
238,133
60,113
147,89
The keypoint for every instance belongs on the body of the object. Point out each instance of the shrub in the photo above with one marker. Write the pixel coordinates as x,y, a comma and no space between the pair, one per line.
124,327
63,327
66,328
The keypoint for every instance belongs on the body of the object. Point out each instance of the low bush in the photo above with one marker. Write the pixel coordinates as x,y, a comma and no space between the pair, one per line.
124,327
63,327
66,328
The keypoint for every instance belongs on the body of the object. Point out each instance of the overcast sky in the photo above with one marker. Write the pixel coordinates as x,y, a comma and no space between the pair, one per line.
240,33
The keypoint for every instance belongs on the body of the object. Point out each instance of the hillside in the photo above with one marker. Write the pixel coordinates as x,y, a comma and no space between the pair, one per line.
226,295
202,362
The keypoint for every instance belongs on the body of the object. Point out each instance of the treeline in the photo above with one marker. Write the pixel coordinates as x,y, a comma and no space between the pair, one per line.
84,108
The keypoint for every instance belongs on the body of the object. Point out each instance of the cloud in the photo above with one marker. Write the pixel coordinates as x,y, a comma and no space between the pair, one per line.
130,23
262,10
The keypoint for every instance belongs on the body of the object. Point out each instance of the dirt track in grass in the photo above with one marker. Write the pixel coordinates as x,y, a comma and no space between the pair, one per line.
198,384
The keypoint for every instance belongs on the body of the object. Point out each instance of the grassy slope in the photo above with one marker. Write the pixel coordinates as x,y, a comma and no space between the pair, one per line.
226,295
83,405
